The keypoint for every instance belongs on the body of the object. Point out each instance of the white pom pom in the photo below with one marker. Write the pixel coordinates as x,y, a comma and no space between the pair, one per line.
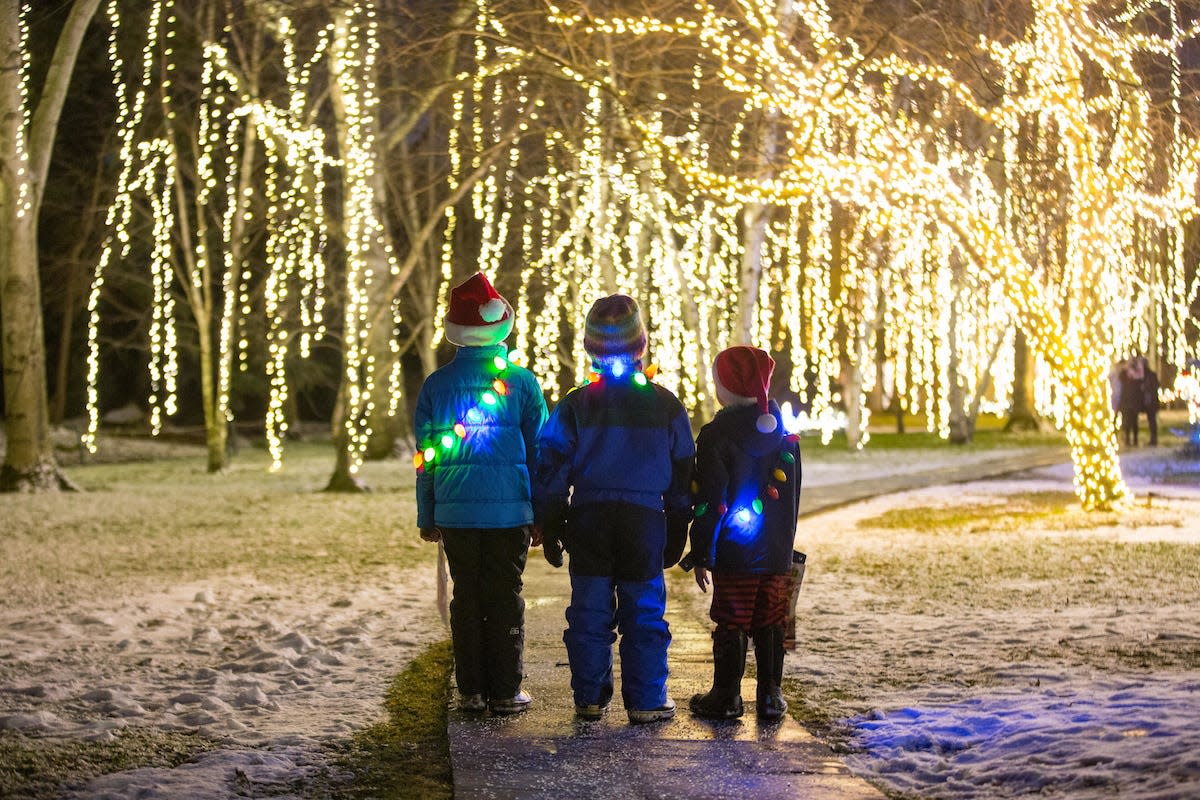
493,310
766,423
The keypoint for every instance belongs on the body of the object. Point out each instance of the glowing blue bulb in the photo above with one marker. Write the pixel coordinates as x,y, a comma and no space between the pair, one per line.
474,415
618,369
743,515
489,398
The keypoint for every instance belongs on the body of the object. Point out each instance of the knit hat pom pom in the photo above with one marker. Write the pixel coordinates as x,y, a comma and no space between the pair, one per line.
766,423
492,310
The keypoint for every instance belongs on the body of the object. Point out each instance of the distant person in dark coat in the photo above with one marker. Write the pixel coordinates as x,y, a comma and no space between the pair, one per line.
1150,403
747,495
1131,398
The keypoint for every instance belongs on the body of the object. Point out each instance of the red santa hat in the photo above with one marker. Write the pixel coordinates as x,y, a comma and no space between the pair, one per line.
743,376
477,315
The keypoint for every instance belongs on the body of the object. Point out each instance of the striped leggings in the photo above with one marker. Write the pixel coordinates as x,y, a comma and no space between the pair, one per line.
746,601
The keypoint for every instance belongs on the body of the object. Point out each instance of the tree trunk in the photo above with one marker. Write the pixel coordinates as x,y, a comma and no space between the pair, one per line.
366,338
755,217
1022,415
29,462
960,427
62,368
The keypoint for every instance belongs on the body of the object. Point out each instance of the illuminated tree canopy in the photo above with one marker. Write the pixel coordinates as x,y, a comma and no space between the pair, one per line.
912,172
883,214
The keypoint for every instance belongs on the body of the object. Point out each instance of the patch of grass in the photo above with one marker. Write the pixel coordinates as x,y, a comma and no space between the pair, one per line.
408,754
1022,572
816,708
920,439
41,768
1042,510
170,520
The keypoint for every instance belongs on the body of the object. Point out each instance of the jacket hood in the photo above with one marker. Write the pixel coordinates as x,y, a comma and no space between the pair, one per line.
739,424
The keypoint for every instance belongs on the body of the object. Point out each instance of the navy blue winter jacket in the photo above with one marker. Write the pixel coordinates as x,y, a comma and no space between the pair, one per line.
736,465
481,478
615,441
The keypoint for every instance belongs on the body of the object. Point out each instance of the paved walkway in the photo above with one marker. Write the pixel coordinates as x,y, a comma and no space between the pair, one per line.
548,753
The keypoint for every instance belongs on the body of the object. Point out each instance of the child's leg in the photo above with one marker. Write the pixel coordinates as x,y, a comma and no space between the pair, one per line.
645,638
464,556
589,638
770,613
731,610
503,560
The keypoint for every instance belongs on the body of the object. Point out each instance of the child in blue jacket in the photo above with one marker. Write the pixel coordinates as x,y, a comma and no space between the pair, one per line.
747,495
477,424
620,448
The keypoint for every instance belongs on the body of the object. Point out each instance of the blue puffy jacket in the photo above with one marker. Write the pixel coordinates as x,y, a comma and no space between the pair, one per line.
479,479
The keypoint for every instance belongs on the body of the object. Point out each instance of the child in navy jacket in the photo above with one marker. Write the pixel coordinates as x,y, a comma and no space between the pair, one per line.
620,448
747,496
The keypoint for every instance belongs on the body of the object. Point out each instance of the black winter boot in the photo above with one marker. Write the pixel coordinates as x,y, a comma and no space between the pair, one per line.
724,701
768,653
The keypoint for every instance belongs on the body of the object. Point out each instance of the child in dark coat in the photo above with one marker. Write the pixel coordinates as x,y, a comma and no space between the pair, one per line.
477,423
620,448
747,496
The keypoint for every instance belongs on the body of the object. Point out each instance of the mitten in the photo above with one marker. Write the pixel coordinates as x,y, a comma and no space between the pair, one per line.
677,534
554,526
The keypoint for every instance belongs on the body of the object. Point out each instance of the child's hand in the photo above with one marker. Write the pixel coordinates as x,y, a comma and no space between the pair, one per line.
432,534
535,535
702,579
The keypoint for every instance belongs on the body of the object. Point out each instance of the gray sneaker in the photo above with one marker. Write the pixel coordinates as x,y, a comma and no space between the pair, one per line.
513,705
591,712
665,711
472,702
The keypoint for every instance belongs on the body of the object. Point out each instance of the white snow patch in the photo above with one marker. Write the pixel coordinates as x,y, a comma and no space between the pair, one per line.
272,673
217,775
1079,738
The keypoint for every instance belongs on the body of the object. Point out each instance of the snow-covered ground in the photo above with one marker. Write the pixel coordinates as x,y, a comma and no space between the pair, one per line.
273,673
1054,653
1043,653
271,652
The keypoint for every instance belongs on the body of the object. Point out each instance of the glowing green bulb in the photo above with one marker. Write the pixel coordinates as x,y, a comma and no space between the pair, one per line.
639,379
430,454
447,440
757,505
500,362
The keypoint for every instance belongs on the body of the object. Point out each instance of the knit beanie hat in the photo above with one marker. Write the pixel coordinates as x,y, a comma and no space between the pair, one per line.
614,328
477,315
744,374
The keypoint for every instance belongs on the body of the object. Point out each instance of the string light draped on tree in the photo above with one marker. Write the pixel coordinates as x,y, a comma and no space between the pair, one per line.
293,278
929,197
370,261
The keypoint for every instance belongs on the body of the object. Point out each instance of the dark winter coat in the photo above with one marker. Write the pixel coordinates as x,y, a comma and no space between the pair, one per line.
482,479
622,453
1150,402
736,464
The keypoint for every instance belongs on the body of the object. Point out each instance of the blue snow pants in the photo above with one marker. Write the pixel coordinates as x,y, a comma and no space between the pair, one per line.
617,585
601,605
